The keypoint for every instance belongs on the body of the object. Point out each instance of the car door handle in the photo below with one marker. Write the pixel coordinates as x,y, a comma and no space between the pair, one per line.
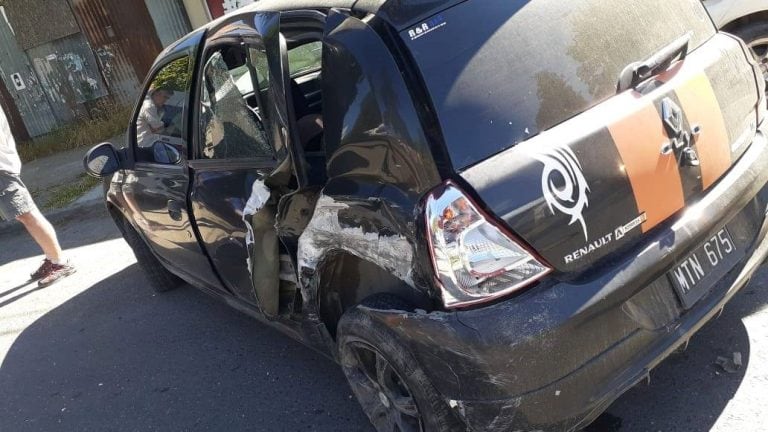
175,209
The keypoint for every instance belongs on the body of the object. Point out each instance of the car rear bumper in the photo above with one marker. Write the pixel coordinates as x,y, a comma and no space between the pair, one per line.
558,355
574,401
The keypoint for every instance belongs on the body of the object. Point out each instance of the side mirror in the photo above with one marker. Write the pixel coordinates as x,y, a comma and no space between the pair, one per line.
102,160
165,153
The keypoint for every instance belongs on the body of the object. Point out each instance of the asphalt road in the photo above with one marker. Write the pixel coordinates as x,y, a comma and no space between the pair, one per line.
101,352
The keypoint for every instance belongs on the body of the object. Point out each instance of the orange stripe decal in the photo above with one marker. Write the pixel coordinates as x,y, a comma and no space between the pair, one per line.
654,177
700,106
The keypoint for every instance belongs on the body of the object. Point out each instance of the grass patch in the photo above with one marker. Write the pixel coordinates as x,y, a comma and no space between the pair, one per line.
107,122
62,196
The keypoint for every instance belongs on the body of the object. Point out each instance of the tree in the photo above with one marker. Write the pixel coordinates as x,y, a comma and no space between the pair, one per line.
174,77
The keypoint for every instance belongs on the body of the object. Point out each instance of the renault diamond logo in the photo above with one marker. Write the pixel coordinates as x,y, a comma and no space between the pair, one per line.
681,141
673,117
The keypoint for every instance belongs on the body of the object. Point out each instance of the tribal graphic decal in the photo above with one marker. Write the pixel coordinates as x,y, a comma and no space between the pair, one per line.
563,184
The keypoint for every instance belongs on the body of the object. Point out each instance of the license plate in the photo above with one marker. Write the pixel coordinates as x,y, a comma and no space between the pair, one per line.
699,271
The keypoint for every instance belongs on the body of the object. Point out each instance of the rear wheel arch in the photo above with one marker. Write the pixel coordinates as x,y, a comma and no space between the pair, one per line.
346,280
369,352
754,30
746,21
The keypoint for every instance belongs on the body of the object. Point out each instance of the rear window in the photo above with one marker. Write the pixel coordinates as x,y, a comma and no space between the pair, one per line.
501,71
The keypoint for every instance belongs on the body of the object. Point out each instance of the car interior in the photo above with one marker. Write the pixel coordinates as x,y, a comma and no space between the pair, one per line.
303,35
231,97
235,94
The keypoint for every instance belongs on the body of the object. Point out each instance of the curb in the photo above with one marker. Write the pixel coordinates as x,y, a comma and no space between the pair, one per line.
59,215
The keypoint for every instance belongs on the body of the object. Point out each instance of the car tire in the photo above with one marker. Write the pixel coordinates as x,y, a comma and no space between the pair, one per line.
385,377
158,276
755,35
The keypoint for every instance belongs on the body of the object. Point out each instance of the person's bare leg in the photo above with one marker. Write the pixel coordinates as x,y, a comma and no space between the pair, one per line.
43,233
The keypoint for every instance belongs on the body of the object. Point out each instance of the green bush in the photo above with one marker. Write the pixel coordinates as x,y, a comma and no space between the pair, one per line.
174,76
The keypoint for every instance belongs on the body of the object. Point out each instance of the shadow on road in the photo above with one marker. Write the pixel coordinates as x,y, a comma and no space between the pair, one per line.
17,297
17,244
13,290
117,357
688,391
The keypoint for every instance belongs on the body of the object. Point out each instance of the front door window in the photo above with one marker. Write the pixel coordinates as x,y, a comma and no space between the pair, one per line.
160,125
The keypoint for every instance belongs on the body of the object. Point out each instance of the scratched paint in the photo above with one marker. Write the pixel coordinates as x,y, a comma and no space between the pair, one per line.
262,241
325,234
259,197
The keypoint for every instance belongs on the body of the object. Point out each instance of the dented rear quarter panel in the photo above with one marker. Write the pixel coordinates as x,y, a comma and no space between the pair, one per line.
725,12
379,163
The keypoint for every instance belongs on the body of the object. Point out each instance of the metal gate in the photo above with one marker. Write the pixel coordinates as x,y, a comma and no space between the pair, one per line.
68,72
125,49
22,84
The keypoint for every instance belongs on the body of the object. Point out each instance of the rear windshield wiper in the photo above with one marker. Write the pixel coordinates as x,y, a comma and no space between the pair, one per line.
638,72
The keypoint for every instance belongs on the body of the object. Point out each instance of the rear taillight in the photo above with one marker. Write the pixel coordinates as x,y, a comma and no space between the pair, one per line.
474,259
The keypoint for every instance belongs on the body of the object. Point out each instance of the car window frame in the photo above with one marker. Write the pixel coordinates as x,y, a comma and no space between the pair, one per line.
192,54
210,46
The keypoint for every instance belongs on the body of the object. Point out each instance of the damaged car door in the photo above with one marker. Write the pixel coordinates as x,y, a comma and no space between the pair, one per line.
238,172
155,184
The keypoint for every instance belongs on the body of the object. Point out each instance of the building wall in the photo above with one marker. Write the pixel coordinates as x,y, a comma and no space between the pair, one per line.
22,85
124,41
198,13
170,18
218,8
63,60
15,121
201,12
70,76
33,28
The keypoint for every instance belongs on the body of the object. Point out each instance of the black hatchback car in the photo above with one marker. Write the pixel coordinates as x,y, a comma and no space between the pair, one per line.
495,215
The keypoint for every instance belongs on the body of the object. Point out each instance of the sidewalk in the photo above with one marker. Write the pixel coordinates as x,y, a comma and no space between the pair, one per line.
41,175
44,176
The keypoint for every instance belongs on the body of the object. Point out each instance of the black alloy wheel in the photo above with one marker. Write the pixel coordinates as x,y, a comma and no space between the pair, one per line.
380,389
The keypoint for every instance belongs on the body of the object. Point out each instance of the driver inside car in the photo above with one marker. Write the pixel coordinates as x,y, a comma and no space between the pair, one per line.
151,121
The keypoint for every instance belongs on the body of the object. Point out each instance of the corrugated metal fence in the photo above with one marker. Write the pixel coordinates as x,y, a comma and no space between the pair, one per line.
69,74
123,40
22,84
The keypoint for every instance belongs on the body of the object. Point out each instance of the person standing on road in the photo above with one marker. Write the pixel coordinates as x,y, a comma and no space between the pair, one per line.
16,203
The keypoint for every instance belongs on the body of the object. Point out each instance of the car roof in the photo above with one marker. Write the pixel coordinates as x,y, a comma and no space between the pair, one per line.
401,14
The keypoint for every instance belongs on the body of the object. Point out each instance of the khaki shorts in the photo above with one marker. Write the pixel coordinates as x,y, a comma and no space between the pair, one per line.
15,199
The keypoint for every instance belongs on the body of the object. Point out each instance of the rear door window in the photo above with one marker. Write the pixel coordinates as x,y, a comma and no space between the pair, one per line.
231,122
501,71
